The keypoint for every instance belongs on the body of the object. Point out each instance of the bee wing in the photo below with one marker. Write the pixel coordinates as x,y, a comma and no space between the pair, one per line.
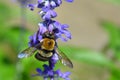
27,52
63,58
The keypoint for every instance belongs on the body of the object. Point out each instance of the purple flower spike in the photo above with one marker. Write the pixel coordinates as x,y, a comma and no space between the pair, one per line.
56,30
49,71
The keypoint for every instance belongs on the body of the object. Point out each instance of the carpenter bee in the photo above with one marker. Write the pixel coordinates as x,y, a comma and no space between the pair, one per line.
45,50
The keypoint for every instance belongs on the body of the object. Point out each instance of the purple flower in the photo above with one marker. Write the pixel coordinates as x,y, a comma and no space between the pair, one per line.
53,4
42,28
58,2
48,15
49,71
52,26
34,39
60,31
47,7
32,6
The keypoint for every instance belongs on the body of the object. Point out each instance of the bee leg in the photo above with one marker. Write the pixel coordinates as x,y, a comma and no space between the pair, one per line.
41,58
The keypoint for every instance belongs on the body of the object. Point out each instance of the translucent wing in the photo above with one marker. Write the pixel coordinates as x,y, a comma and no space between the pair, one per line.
63,58
27,52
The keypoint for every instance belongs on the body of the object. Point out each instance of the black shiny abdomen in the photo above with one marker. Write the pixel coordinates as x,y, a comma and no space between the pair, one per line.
41,58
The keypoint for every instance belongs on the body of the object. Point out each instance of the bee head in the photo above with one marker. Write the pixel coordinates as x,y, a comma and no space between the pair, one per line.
48,34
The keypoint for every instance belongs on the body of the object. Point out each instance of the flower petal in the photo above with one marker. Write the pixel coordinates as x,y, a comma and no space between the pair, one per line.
58,2
66,74
31,6
67,34
49,14
53,13
40,1
47,3
57,25
53,3
65,26
46,16
59,73
39,37
51,28
39,70
40,5
42,28
67,78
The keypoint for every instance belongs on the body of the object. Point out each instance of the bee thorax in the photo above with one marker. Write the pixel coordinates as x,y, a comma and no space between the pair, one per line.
48,44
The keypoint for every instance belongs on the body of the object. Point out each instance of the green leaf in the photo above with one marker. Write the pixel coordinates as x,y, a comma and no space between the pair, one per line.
5,13
7,72
113,31
91,57
17,37
87,56
114,36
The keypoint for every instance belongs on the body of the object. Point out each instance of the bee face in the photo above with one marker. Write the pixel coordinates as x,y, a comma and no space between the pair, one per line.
49,35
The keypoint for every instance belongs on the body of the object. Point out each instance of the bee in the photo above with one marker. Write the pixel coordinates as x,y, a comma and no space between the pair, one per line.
45,49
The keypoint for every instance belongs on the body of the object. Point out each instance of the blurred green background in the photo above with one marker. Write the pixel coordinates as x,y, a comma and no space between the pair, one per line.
94,48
